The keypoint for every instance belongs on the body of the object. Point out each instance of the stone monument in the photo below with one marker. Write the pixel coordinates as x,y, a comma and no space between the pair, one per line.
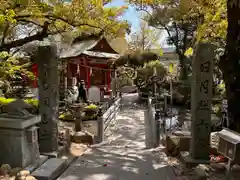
48,81
201,101
18,135
94,94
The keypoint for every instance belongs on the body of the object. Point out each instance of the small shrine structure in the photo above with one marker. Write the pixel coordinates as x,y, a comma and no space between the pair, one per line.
89,61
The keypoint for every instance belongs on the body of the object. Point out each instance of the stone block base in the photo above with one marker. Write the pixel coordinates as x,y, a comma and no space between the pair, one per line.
18,147
82,137
50,170
32,167
175,144
55,154
190,161
199,174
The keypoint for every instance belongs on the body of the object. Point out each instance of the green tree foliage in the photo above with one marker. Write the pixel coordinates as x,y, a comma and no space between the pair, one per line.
187,22
139,48
39,20
213,24
144,39
24,21
12,70
145,75
168,16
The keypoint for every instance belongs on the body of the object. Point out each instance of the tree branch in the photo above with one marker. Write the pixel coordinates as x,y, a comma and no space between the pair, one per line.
54,18
39,35
29,21
4,33
20,42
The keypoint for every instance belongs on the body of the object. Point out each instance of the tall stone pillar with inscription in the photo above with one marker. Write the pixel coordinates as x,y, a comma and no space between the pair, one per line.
47,61
201,101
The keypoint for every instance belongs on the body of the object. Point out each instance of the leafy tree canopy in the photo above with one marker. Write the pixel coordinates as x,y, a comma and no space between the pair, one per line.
23,21
209,17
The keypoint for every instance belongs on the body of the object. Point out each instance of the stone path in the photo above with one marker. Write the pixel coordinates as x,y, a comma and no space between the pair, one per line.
123,155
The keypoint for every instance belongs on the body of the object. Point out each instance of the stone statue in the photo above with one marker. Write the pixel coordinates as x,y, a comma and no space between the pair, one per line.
17,109
73,94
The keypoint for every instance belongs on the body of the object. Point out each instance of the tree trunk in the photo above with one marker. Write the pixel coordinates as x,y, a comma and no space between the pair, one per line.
231,67
184,70
184,77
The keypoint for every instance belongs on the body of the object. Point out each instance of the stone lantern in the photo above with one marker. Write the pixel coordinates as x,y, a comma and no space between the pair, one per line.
18,135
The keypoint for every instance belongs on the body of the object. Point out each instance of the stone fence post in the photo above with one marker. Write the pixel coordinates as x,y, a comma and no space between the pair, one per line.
152,123
157,124
100,136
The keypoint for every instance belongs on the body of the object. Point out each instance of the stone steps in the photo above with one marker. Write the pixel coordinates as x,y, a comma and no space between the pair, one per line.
42,159
52,168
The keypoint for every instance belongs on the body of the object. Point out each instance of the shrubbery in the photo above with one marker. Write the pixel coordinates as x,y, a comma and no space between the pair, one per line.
33,102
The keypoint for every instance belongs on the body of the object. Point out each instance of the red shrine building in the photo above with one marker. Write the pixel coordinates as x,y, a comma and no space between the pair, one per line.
89,61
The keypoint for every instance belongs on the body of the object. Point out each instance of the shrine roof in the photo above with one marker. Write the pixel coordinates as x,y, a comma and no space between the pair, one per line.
101,54
78,48
82,48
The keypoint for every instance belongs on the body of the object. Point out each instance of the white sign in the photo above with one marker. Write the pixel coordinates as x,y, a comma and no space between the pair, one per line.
94,94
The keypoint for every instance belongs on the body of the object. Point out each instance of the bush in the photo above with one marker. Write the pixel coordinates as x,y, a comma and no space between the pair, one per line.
92,106
33,102
66,116
5,101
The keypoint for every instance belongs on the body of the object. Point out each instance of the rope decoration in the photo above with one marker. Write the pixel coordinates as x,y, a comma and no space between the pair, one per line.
90,67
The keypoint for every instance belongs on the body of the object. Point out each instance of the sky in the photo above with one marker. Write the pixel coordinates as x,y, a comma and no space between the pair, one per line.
131,14
133,17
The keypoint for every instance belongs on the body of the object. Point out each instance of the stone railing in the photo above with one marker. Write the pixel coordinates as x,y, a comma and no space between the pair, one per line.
106,119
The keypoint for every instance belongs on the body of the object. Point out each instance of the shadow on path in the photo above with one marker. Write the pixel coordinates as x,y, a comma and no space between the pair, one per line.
123,155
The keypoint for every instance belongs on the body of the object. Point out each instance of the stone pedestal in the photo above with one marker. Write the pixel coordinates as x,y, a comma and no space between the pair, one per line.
18,141
201,101
77,114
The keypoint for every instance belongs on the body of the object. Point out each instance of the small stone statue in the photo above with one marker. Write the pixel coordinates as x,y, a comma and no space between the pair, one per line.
73,94
17,109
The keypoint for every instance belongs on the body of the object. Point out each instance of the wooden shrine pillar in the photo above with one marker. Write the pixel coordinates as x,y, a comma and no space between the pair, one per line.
35,72
88,78
88,73
109,80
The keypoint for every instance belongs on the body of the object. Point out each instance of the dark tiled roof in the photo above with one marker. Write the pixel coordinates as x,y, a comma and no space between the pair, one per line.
165,50
78,48
101,54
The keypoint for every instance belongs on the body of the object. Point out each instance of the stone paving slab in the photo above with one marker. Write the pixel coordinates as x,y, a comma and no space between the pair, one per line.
42,159
100,165
123,155
50,169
